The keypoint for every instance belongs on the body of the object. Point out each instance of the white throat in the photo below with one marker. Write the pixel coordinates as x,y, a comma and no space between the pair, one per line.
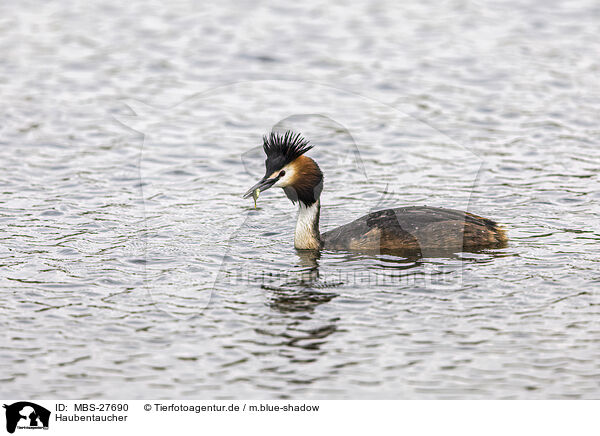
307,227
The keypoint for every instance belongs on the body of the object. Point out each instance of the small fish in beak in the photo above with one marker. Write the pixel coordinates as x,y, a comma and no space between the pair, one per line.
255,196
263,185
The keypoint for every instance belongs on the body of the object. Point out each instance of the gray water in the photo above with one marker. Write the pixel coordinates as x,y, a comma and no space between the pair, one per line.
132,268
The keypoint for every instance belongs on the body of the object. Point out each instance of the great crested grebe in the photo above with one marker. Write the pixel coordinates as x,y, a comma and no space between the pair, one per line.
412,228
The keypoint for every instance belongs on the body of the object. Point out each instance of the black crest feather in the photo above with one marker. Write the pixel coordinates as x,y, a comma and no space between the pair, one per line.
281,149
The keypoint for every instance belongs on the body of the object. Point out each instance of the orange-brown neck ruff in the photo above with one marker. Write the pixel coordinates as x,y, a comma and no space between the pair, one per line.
307,182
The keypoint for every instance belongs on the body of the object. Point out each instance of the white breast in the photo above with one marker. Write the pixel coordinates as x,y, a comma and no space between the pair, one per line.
307,229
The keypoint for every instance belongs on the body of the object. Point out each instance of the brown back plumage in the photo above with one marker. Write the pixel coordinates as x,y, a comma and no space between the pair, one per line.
416,229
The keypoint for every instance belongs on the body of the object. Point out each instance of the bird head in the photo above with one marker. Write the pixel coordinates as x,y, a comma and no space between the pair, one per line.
287,167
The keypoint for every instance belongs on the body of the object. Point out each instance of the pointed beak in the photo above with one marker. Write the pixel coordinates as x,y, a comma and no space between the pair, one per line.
263,185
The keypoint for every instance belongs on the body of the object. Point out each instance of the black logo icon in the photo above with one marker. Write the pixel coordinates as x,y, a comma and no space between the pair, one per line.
24,414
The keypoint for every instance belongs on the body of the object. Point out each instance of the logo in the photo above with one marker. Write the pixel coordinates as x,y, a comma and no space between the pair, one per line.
26,415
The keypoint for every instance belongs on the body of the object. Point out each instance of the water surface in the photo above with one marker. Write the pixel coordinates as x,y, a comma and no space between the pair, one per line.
130,267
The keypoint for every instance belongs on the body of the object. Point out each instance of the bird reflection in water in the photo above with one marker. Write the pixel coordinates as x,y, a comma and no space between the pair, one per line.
304,292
